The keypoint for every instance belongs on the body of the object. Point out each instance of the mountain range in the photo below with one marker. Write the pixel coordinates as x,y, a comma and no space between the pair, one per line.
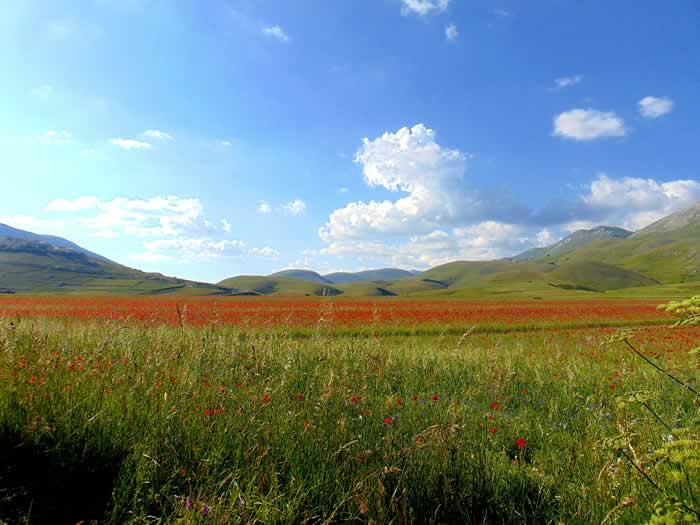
659,258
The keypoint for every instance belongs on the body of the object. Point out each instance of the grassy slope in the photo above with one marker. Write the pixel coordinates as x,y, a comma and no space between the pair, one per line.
278,286
667,258
68,272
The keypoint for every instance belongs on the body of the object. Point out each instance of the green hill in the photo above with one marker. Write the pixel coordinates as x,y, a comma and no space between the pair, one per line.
304,275
36,266
383,274
278,286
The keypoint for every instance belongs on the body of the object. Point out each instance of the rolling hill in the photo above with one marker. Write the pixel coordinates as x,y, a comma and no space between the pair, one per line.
37,266
304,275
383,274
15,233
271,285
574,241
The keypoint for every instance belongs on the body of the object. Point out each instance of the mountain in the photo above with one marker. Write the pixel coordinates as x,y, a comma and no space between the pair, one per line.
38,266
383,274
574,241
688,218
14,233
304,275
272,285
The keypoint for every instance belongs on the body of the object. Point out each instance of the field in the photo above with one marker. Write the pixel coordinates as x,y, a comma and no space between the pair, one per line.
239,410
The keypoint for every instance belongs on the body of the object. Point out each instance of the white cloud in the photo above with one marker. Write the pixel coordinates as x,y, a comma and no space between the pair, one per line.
343,189
264,207
158,216
653,107
57,137
131,144
635,202
81,203
451,33
295,207
156,134
264,252
408,161
588,124
34,224
276,32
424,7
565,82
192,249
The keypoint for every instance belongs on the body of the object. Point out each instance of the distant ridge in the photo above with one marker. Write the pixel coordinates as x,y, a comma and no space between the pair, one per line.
682,219
304,275
383,274
574,241
15,233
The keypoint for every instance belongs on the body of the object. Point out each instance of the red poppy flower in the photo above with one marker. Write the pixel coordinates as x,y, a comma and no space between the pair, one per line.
493,430
435,397
495,405
415,398
266,398
355,399
520,443
388,421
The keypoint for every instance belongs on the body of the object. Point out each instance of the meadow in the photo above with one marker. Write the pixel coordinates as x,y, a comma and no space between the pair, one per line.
229,410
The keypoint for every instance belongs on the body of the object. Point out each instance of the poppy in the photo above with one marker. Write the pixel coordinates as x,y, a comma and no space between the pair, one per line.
520,443
355,399
266,398
495,405
388,421
435,397
493,430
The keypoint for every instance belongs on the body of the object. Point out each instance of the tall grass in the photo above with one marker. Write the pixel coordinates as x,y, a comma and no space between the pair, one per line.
213,425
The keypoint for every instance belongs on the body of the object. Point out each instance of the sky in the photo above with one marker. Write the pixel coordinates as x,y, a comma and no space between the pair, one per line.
212,138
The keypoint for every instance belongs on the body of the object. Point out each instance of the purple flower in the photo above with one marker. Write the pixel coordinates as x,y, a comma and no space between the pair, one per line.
205,510
188,504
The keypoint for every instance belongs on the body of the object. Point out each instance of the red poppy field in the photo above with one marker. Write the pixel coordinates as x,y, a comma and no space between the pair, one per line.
309,314
216,411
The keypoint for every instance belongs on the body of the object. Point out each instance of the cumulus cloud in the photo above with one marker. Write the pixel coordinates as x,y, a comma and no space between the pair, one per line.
451,33
424,7
156,134
131,144
588,124
264,207
193,249
653,107
408,161
295,207
635,202
158,216
276,32
264,252
565,82
81,203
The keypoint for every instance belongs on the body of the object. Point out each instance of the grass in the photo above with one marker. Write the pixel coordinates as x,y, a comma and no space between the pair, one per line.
167,424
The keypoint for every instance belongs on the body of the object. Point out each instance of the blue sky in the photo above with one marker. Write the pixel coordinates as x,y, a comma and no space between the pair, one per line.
209,138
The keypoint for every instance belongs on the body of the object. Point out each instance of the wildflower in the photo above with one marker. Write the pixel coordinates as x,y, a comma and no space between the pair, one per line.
435,397
205,510
415,398
493,430
32,380
355,399
495,405
388,420
188,504
266,398
520,443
